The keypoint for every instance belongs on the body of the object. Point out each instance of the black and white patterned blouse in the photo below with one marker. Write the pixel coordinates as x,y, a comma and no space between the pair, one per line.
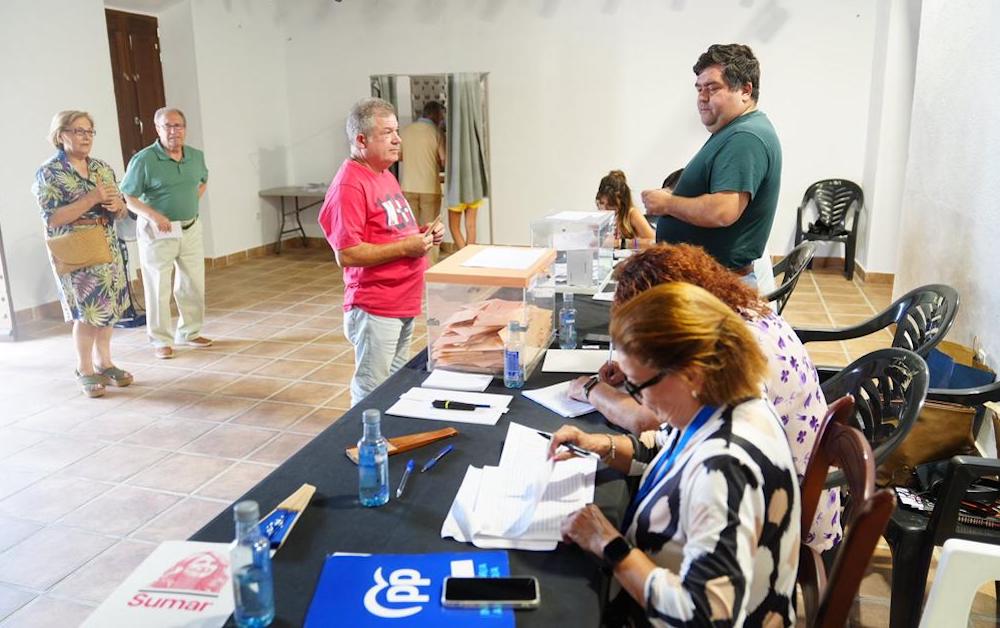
722,525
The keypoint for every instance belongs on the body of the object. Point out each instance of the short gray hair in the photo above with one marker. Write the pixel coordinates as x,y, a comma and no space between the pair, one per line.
361,119
61,122
163,112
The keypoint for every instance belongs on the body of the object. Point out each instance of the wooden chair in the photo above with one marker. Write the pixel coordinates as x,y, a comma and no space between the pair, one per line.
828,601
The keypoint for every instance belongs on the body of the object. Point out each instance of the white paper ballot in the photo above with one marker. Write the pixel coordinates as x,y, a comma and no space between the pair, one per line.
155,234
574,360
512,257
604,296
454,380
521,503
417,403
556,398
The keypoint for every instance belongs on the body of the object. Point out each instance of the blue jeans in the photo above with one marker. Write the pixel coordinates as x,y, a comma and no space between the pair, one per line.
750,279
381,347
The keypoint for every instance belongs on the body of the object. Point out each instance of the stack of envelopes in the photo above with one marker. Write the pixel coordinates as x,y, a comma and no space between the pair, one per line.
473,337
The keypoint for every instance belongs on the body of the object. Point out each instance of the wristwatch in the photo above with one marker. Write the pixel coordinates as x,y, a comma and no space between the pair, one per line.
590,385
616,550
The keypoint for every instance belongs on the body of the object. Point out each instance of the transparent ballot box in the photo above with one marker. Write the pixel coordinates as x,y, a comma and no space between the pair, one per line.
474,294
584,245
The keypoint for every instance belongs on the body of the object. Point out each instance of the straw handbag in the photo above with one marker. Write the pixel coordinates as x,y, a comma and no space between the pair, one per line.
79,249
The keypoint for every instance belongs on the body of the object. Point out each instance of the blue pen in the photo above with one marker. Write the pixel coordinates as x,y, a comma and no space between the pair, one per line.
406,476
433,461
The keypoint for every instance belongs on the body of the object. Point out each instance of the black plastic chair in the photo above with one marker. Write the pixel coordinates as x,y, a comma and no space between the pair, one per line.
889,387
791,267
912,535
838,204
922,318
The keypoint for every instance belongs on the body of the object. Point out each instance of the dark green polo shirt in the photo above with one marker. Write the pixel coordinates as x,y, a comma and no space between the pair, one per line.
743,156
170,187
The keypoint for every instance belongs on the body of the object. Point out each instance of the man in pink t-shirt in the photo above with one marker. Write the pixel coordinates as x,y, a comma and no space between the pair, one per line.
379,245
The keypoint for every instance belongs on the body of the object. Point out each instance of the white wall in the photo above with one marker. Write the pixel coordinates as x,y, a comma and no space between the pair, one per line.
50,62
951,222
579,88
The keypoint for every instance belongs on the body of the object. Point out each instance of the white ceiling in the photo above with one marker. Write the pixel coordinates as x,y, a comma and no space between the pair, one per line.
141,6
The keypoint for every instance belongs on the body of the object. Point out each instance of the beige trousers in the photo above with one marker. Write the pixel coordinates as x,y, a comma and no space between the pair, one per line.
425,207
159,259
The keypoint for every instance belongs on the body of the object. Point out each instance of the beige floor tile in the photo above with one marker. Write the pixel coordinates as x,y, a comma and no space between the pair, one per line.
235,481
181,521
215,409
203,382
318,421
169,433
253,387
52,454
315,353
280,449
11,599
341,401
272,415
49,612
13,440
286,369
308,393
114,463
97,579
258,332
180,473
114,425
49,555
297,334
49,499
158,375
332,374
241,364
161,402
230,441
269,349
13,479
119,511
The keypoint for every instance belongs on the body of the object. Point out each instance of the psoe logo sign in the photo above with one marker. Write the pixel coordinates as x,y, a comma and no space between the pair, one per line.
403,588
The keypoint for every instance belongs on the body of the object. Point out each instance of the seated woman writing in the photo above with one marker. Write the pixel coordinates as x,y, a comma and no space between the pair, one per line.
632,230
712,536
790,380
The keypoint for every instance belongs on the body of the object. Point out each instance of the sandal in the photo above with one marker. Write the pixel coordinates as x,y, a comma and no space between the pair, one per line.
92,385
116,376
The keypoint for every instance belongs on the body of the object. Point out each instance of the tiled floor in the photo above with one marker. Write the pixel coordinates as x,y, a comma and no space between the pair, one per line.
89,486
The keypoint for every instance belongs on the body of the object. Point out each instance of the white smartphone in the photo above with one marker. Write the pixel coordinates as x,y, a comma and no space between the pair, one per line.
511,592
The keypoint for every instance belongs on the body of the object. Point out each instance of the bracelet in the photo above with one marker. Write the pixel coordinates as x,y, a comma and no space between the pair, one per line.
635,243
611,454
593,381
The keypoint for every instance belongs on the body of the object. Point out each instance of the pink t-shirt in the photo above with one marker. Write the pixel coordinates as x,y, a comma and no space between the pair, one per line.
362,206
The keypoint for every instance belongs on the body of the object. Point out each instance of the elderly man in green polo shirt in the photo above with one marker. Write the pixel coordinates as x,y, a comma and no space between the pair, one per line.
163,185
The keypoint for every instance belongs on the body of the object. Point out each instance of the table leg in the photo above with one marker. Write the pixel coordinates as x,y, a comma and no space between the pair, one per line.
298,219
281,227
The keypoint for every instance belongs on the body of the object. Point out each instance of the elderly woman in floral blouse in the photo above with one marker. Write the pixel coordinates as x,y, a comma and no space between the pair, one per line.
75,191
792,384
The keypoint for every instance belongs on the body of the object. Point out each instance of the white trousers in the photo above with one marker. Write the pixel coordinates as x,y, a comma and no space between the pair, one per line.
159,259
381,347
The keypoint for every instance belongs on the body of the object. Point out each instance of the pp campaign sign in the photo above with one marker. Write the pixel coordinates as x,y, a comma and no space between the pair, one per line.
402,590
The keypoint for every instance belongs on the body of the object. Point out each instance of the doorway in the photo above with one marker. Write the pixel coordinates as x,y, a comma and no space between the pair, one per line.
135,65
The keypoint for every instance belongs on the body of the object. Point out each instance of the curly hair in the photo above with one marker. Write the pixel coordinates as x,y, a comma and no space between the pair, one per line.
739,66
665,263
680,327
614,189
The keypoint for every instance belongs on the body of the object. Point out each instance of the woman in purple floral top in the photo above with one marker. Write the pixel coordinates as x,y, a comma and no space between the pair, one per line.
792,384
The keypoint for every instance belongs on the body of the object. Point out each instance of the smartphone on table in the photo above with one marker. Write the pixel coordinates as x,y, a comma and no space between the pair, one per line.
510,592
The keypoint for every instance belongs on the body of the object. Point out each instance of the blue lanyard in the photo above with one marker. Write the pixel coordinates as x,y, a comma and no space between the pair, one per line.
665,463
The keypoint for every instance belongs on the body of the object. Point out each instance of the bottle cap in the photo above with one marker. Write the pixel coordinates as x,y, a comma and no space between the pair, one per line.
246,511
371,416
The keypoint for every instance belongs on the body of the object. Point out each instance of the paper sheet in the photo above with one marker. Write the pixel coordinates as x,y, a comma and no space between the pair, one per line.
416,403
155,234
574,360
555,398
517,258
455,380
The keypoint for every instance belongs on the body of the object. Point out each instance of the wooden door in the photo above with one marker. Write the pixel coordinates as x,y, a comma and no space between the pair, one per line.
138,77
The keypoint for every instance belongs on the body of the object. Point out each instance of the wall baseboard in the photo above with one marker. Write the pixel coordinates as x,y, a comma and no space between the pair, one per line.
837,263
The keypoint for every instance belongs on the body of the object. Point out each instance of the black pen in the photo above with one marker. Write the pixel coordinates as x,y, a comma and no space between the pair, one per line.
457,405
579,451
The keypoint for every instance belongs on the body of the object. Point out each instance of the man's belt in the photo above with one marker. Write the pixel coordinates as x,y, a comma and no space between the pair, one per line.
189,225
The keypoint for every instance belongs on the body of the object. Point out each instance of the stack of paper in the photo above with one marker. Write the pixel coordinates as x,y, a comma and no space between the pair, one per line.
473,337
456,380
417,403
575,360
556,398
521,503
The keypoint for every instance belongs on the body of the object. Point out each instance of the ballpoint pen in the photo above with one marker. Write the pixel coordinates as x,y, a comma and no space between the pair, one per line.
406,476
433,461
447,404
578,451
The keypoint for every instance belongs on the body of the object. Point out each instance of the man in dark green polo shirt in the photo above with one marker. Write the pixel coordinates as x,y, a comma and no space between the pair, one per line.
163,185
727,195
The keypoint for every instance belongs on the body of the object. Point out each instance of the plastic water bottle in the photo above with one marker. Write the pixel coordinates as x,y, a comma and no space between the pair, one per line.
567,323
373,462
250,561
513,356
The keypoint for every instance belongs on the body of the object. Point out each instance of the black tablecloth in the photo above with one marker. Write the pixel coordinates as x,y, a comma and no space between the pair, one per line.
573,586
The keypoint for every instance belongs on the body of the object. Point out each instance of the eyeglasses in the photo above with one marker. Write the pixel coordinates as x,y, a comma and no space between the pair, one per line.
172,127
635,391
82,132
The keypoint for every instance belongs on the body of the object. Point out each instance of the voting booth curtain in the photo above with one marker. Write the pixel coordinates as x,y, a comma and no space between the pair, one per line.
466,172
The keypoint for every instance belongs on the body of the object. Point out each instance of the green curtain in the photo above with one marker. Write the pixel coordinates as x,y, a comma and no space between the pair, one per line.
384,87
466,171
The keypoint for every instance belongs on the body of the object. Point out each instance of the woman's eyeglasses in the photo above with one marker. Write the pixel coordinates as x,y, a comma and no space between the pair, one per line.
82,132
635,390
